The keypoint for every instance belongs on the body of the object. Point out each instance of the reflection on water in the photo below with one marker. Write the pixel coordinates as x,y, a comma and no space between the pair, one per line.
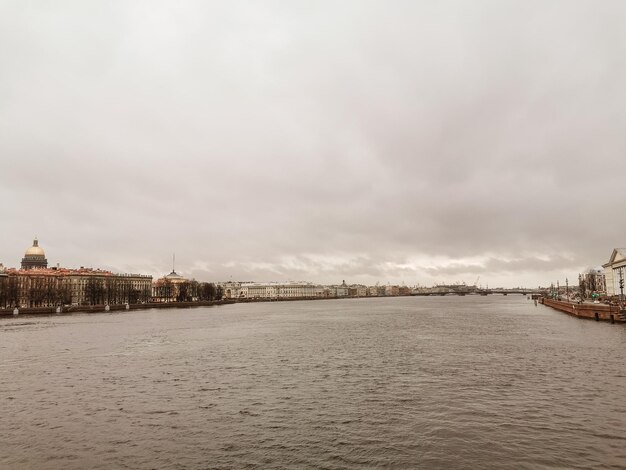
405,382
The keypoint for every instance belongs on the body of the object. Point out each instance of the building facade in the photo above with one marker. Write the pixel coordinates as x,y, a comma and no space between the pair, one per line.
277,290
357,290
392,290
36,285
592,282
271,290
615,272
49,287
232,290
172,288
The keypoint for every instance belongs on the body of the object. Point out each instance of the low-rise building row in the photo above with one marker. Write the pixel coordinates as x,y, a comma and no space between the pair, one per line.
59,286
284,290
37,285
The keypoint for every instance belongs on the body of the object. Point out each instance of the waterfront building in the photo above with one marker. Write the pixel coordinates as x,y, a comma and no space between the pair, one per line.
35,257
319,291
49,287
590,283
392,290
404,290
36,285
172,288
338,291
330,291
342,290
271,290
97,287
357,290
232,290
296,289
615,272
276,290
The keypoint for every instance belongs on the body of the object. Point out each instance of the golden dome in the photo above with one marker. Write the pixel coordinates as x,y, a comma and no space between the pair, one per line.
35,250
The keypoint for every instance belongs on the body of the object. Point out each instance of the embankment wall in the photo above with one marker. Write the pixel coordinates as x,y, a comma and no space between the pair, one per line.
112,308
597,312
117,308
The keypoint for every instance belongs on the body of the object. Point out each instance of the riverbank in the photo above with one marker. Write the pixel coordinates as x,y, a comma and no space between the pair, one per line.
598,312
160,305
111,308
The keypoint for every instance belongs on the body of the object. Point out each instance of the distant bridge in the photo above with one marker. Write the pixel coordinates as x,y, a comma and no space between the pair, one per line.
463,290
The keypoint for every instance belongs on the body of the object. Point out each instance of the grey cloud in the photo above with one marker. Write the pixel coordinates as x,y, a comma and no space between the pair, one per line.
320,141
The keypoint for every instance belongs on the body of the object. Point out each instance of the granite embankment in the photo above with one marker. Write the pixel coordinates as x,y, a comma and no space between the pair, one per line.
111,308
144,306
596,312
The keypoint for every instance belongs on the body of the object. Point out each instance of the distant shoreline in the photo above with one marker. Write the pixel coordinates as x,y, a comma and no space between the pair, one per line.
48,311
44,311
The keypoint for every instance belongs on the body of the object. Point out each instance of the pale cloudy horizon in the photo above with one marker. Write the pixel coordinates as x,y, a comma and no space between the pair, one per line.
391,142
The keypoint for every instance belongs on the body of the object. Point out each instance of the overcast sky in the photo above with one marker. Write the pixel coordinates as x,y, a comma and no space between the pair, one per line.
372,141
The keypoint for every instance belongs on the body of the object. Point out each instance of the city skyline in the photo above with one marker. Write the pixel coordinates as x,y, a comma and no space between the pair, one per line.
411,143
42,262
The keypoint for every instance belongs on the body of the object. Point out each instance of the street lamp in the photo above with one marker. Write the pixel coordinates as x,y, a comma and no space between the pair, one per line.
621,288
566,289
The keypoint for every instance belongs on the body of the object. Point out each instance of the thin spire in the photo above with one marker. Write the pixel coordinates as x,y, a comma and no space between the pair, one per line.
173,262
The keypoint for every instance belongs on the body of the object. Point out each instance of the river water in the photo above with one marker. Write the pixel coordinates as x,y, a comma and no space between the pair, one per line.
446,382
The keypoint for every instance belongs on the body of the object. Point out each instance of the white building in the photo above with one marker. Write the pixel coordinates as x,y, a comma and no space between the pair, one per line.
232,290
270,290
615,270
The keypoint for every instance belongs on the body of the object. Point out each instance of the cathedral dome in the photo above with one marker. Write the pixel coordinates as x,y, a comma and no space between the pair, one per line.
35,250
35,257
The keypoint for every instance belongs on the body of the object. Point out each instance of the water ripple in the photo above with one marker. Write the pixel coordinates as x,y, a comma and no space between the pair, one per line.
396,383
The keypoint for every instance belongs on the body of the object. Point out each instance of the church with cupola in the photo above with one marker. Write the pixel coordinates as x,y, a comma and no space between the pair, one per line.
35,257
36,285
